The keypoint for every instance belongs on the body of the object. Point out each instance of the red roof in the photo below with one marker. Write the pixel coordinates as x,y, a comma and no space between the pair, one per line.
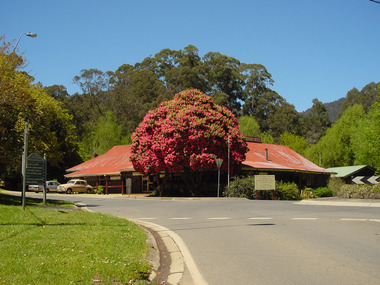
111,162
279,157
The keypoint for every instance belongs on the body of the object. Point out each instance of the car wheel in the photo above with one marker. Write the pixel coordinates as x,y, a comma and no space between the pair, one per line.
89,191
47,190
69,191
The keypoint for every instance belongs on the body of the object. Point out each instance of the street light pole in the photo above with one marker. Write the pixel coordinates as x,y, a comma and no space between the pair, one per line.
32,35
25,154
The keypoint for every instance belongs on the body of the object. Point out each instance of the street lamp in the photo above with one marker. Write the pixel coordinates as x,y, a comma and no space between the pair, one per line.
32,35
218,162
24,156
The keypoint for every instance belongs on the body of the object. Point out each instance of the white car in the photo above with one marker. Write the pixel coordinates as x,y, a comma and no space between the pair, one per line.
50,186
36,188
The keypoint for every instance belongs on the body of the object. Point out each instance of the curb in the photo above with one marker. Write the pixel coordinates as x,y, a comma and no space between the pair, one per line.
171,267
179,255
340,202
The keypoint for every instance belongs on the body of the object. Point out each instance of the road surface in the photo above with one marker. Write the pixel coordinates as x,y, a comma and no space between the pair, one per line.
238,241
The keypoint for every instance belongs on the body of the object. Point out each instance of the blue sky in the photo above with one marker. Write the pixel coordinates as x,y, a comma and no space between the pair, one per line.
313,48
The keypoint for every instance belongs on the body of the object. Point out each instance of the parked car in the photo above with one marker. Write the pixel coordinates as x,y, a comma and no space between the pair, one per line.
36,188
50,186
75,185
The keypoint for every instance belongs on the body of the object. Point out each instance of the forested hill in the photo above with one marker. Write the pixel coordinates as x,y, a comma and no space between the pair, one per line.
332,109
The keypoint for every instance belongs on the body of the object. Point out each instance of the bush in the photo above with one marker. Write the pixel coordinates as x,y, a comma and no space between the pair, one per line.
360,191
323,192
287,191
335,184
100,189
242,187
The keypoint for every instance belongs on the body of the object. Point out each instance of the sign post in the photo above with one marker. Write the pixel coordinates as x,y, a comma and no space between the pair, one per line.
218,162
24,155
45,171
266,183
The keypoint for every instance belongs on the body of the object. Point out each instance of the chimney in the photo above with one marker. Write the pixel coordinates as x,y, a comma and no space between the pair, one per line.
266,154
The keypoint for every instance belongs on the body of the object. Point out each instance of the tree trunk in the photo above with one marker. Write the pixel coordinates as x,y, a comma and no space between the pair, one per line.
194,182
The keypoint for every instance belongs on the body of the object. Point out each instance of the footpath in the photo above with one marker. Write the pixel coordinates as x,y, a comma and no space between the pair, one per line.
337,201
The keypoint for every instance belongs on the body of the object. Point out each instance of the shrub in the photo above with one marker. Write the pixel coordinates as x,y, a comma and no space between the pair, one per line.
335,184
307,193
323,192
242,187
360,191
100,189
287,191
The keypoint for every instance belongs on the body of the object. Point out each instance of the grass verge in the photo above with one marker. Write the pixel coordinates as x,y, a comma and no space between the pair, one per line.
45,246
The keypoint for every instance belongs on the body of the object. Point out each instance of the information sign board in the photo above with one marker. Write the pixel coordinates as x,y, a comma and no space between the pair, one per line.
35,170
265,182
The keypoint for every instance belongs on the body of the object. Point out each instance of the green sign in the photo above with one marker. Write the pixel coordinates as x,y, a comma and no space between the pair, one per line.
35,170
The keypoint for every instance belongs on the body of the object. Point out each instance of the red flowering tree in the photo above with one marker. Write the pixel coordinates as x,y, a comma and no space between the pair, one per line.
184,136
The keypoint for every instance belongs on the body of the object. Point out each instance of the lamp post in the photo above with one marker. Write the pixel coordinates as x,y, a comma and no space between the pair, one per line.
25,155
32,35
218,162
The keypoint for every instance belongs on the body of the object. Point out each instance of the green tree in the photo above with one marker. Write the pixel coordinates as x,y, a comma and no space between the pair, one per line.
249,126
295,142
58,92
256,80
366,140
365,97
50,127
335,148
135,91
106,134
181,69
317,121
224,79
284,119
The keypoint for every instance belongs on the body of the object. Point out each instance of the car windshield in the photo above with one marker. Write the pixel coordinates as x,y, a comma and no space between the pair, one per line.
71,182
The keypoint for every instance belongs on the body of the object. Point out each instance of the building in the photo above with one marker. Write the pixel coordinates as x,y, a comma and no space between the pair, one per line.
286,164
114,170
347,173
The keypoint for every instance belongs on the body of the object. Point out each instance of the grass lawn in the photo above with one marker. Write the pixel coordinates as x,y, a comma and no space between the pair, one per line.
62,246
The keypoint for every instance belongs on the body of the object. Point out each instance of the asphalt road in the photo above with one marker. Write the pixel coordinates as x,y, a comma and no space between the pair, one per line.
263,242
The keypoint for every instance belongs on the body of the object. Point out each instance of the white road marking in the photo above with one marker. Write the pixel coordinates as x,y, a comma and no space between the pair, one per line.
374,220
261,218
147,218
355,220
305,219
219,218
180,218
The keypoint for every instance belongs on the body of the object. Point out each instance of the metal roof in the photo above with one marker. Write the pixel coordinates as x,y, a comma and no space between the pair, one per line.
110,163
279,157
267,156
346,171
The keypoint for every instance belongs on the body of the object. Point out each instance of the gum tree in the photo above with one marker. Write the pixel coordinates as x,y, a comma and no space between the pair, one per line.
184,136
